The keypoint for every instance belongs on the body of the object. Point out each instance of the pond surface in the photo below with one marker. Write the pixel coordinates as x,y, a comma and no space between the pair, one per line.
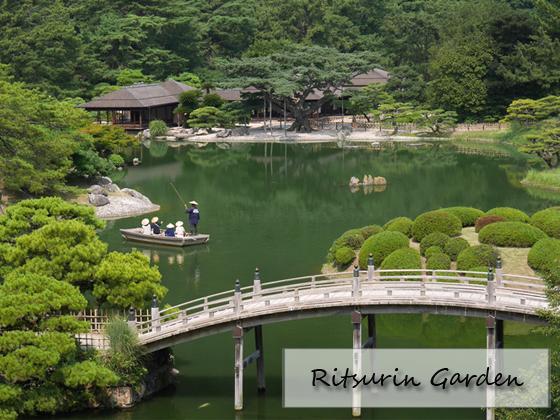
281,213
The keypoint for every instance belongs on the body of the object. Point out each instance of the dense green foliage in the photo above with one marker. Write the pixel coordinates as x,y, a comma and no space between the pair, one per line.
548,220
467,215
436,221
158,128
477,256
381,245
454,246
509,214
432,250
352,239
486,220
370,230
400,224
404,258
510,234
344,256
433,239
438,262
544,254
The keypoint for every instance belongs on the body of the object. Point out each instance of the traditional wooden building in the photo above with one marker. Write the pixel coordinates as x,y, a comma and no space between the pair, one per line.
133,107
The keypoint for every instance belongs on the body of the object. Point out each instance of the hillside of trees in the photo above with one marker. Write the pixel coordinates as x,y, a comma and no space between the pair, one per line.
469,56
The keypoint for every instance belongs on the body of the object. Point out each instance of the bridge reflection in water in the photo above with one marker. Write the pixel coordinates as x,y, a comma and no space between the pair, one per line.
361,294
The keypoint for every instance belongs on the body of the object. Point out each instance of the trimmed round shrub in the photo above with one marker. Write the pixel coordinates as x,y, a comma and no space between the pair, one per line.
467,215
371,230
509,213
477,256
352,238
404,258
438,262
436,221
510,234
548,220
544,254
158,128
433,239
454,246
433,250
344,256
381,245
486,220
400,224
116,160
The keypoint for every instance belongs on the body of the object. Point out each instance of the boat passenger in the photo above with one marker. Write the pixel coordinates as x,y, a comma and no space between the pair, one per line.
146,228
156,225
179,229
194,217
170,230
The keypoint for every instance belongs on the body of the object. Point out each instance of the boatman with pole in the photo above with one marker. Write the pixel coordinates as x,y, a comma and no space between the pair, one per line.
194,216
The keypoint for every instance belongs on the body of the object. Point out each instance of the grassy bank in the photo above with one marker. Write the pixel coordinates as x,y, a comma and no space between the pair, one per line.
547,179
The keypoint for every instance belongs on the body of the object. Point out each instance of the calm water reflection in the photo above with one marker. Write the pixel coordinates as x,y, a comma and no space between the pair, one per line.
281,213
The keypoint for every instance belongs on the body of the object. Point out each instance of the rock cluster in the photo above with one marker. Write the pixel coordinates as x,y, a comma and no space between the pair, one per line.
180,133
367,180
98,194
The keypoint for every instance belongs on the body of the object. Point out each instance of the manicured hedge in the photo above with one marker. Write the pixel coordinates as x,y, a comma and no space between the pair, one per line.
381,245
405,258
477,256
344,256
544,254
454,246
433,250
400,224
467,215
371,230
510,234
436,221
548,220
352,238
486,220
438,262
509,213
433,239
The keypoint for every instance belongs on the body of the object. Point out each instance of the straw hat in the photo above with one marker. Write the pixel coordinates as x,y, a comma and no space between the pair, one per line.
145,222
193,202
170,225
179,223
155,219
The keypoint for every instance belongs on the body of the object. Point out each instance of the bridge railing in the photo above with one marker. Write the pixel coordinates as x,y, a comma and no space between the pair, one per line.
292,288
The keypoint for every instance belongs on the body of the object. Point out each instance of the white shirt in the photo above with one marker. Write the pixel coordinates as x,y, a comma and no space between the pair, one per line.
179,231
147,230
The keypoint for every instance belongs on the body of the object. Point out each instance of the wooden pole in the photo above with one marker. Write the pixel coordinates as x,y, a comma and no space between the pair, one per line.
238,366
285,128
372,331
261,386
270,112
356,361
491,363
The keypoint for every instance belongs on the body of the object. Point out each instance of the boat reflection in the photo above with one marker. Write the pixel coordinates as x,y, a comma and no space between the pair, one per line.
173,256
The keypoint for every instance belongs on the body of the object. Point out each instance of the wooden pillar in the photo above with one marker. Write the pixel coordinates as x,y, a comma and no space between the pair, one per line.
238,366
491,363
499,333
261,386
371,342
356,360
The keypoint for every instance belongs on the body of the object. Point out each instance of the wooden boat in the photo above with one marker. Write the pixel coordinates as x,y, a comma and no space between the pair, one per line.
135,234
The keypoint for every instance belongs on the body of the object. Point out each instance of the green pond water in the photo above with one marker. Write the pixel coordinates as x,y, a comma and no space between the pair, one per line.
281,213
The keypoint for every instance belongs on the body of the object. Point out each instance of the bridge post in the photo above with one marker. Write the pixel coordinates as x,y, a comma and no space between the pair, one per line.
132,318
491,364
154,312
261,387
370,267
499,272
237,297
356,361
491,287
356,282
257,282
238,366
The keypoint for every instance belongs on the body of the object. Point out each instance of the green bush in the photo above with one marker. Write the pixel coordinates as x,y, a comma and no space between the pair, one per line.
433,250
436,221
486,220
548,220
158,128
438,262
404,258
467,215
544,254
381,245
509,213
477,256
352,238
371,230
454,246
510,234
344,256
116,160
433,239
400,224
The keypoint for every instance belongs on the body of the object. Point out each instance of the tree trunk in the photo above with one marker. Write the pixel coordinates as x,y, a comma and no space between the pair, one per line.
301,123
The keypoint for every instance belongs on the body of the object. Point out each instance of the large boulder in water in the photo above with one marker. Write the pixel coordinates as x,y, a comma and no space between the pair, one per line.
96,189
379,180
98,200
135,194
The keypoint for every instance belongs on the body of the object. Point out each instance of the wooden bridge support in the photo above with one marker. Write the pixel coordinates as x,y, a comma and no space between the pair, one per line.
492,327
261,386
238,367
371,341
356,360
